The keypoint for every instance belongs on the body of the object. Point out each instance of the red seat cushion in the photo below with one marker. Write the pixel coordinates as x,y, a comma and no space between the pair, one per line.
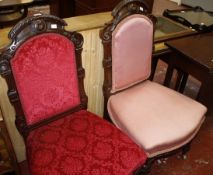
82,144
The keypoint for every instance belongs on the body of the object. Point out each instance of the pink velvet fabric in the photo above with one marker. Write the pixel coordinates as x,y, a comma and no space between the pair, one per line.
131,51
157,118
82,144
44,69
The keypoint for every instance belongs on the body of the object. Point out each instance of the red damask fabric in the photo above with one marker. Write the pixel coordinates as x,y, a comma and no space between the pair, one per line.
44,69
82,144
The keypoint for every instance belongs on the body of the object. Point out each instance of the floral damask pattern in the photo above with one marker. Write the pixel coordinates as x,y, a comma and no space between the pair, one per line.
44,69
82,144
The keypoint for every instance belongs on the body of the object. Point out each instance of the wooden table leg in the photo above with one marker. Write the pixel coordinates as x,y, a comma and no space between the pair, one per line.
205,95
169,74
153,69
181,81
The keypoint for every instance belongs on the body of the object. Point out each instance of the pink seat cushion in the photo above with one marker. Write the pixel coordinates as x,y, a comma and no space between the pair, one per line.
157,118
44,69
82,144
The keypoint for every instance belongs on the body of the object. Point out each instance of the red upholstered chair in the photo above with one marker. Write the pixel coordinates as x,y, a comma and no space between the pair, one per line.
158,119
42,66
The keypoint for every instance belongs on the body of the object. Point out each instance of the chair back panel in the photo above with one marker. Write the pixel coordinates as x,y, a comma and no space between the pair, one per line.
132,42
44,69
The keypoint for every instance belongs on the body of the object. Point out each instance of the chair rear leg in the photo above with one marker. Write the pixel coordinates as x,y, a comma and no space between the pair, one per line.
146,168
185,149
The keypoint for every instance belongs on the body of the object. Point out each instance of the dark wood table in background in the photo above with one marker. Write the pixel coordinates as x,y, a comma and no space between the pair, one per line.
193,55
11,11
69,8
9,3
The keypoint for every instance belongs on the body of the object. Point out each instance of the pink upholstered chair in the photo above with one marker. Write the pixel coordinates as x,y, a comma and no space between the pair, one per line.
42,66
158,119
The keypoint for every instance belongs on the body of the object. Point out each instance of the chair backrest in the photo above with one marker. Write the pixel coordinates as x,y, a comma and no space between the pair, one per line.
128,44
43,69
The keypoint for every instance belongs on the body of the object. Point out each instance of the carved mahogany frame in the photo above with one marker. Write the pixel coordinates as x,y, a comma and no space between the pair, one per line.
21,32
124,9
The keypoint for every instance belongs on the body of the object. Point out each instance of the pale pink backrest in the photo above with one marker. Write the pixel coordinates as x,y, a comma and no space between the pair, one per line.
44,68
131,51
